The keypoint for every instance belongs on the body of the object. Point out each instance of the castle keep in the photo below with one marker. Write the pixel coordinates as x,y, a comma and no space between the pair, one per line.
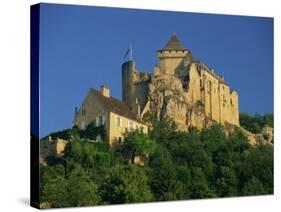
180,88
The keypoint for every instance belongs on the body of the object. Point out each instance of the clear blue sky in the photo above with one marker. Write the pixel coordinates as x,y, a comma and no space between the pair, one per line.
83,47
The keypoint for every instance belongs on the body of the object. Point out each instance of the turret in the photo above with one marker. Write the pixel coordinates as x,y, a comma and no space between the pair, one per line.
134,87
174,57
128,76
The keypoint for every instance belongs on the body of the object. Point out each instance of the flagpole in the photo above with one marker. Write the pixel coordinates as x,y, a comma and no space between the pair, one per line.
131,51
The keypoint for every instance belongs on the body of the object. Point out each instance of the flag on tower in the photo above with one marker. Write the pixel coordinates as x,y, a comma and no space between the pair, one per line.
129,52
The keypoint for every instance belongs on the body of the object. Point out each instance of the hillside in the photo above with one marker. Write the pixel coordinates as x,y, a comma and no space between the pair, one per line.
176,166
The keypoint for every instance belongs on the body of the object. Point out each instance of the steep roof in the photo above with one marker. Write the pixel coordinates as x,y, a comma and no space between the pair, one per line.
114,105
174,44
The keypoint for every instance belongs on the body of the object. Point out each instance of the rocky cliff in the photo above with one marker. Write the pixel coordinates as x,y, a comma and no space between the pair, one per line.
169,99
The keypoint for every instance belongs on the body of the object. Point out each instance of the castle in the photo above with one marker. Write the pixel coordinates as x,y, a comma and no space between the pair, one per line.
180,88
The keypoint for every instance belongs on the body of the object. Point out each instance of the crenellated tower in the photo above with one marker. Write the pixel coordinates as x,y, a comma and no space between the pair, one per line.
174,58
134,86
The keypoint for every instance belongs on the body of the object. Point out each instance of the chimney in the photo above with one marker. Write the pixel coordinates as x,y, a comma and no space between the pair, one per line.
105,91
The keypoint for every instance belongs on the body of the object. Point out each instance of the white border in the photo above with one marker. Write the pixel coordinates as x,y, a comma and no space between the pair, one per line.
14,88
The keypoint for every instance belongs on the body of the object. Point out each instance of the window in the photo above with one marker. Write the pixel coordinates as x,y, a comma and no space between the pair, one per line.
118,121
231,102
210,86
83,111
131,126
101,120
119,140
97,121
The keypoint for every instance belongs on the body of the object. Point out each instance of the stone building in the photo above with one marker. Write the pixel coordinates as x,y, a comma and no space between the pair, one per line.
51,147
102,109
181,88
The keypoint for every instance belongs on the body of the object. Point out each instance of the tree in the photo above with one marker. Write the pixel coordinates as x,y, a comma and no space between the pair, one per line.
76,188
184,177
163,178
213,137
161,129
178,165
126,184
199,185
82,190
226,182
268,119
87,153
92,131
255,123
189,150
50,172
136,143
56,193
259,164
253,187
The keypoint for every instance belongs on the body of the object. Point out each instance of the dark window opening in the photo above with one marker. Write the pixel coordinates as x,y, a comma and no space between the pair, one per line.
100,120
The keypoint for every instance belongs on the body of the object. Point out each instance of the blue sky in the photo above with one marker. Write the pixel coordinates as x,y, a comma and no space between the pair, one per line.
83,47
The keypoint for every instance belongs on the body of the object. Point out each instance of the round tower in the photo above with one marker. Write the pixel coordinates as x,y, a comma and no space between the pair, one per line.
128,87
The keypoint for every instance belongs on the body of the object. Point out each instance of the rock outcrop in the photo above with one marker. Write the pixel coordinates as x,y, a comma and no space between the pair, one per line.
268,133
169,99
265,137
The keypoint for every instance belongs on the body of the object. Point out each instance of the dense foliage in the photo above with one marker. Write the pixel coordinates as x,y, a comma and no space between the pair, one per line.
255,123
175,166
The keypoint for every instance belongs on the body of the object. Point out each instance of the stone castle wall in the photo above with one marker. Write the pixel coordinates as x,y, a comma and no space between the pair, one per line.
220,104
177,95
182,89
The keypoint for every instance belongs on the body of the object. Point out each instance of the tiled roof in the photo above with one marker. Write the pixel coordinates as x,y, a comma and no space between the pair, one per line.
114,105
174,44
